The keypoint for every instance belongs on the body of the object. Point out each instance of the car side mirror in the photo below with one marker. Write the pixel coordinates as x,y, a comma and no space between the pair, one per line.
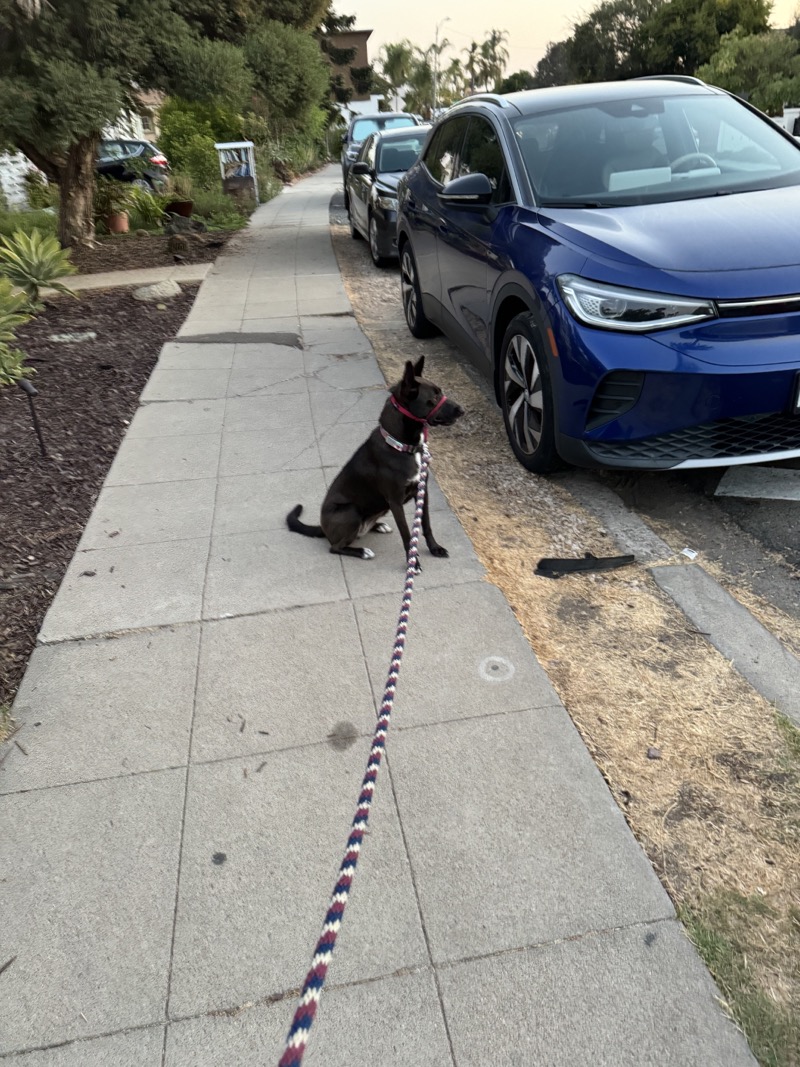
361,168
470,190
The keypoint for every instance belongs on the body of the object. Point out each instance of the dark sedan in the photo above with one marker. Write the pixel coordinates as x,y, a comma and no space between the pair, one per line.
138,162
372,188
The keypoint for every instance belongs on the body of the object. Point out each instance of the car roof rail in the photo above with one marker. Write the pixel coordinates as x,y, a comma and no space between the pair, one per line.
689,79
488,98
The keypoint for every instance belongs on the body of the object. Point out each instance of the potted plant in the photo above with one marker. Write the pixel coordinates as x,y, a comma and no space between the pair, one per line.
180,201
111,202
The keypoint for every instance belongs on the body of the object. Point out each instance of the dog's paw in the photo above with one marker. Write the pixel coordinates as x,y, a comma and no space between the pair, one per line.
437,550
381,527
367,553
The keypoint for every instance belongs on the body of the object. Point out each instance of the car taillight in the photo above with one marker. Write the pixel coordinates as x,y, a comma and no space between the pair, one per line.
159,161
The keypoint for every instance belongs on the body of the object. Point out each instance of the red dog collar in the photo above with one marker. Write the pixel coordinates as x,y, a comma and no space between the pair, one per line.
410,415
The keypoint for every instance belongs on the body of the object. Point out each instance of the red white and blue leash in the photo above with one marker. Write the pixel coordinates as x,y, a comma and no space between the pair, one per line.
297,1039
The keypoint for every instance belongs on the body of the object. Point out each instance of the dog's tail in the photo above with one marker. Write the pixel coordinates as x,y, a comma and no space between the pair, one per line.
294,524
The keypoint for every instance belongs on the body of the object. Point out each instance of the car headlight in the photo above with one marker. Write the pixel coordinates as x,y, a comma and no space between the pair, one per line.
613,307
388,203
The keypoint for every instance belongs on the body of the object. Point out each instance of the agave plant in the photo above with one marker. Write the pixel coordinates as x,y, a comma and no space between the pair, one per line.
13,313
33,262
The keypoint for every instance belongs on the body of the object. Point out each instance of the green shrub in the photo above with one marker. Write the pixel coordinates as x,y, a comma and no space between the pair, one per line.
218,210
146,210
27,221
33,262
39,191
188,134
111,197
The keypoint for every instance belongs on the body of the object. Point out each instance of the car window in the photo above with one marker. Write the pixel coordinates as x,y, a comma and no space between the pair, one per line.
111,150
362,128
362,152
653,149
398,154
481,154
441,153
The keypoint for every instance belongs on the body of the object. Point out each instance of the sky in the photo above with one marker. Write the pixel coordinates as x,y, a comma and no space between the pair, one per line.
531,25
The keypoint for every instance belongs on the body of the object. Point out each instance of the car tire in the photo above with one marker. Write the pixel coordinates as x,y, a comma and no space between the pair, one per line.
346,194
355,233
377,258
416,319
142,183
526,396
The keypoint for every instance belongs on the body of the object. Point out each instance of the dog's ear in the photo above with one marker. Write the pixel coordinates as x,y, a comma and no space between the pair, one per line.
419,366
408,383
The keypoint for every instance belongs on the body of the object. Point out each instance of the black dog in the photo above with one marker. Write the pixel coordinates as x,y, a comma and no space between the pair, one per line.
383,474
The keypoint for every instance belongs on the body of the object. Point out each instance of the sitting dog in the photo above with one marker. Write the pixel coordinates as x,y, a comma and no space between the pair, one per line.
383,474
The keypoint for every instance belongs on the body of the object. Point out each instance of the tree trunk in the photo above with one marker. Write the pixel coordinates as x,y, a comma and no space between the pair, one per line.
76,186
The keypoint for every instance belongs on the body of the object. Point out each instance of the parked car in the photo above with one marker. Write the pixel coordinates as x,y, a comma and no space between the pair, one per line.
372,187
621,260
361,127
115,159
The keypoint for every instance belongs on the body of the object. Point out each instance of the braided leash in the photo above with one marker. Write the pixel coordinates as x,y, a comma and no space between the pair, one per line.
297,1039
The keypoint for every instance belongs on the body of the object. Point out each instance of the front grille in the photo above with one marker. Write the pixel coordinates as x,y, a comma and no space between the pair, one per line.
767,305
727,439
616,394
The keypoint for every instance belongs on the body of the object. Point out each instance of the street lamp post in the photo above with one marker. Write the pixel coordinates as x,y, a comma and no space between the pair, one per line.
436,65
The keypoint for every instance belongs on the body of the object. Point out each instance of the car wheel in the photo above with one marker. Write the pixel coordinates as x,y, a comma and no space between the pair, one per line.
355,233
526,396
374,244
142,183
346,194
418,322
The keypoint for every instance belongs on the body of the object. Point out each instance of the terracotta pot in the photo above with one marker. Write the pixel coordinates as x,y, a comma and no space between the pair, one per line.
180,207
117,223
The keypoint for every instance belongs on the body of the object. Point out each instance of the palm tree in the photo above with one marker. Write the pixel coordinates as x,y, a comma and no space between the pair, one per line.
494,56
396,62
419,97
453,83
472,65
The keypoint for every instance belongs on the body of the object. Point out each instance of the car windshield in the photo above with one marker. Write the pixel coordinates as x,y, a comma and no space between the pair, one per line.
364,127
652,150
398,154
119,149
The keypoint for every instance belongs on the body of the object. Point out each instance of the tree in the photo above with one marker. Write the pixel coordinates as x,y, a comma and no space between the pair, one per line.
290,72
516,83
67,73
612,42
419,98
452,83
554,67
764,67
683,34
396,61
473,64
495,56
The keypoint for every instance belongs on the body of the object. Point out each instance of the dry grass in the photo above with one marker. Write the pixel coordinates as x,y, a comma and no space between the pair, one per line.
718,811
6,722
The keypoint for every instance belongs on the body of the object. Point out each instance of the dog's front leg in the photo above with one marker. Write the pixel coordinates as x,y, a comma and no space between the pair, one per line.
434,547
402,524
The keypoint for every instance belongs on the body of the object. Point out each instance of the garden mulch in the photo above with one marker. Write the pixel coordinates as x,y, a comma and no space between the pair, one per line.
88,392
133,252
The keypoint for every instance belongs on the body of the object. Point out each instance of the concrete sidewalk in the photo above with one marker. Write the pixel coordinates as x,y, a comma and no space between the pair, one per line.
197,721
111,279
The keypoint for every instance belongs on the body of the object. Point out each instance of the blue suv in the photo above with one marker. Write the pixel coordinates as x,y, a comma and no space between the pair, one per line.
624,260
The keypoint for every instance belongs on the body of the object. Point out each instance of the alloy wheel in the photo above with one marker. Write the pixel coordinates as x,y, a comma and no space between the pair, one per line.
408,287
522,382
